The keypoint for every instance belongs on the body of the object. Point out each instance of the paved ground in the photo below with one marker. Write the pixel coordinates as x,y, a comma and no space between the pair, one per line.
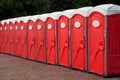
14,68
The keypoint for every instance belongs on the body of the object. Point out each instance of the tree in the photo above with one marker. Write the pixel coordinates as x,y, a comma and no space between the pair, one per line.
17,8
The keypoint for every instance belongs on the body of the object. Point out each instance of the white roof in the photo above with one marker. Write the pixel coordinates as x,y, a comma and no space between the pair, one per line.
13,20
54,15
67,13
33,18
36,17
106,9
3,21
43,17
24,19
82,11
17,20
8,20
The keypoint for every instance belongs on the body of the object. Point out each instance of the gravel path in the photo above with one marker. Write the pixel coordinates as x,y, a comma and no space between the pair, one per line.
14,68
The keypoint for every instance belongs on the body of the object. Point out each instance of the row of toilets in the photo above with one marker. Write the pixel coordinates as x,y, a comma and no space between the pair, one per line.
86,39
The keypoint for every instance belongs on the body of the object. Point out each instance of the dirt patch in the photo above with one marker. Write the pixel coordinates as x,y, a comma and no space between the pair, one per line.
14,68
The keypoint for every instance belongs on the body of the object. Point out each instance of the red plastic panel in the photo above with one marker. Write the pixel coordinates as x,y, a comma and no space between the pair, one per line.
96,43
1,37
23,42
5,44
40,40
78,42
114,44
50,41
31,40
17,38
63,41
2,40
12,38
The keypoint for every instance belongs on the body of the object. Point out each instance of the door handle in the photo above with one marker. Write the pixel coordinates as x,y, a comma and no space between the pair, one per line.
82,44
64,47
101,45
33,42
99,49
51,47
66,43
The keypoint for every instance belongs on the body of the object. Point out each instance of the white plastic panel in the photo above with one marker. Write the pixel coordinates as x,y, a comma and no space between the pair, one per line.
106,9
30,27
67,13
39,27
3,21
96,23
5,28
42,17
24,19
0,28
22,27
63,25
16,27
49,26
11,27
77,24
84,11
33,18
18,20
13,20
54,15
8,21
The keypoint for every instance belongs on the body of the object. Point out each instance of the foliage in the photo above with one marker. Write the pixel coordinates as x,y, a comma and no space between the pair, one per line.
17,8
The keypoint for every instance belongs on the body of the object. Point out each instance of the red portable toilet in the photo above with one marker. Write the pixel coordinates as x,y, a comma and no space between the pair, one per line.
5,44
17,36
31,37
1,36
40,38
51,47
23,36
12,36
104,40
64,48
79,38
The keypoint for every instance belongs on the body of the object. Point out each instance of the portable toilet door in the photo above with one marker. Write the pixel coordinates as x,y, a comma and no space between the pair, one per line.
104,40
51,25
40,38
2,40
64,47
1,36
31,37
79,38
23,36
17,37
6,37
12,36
